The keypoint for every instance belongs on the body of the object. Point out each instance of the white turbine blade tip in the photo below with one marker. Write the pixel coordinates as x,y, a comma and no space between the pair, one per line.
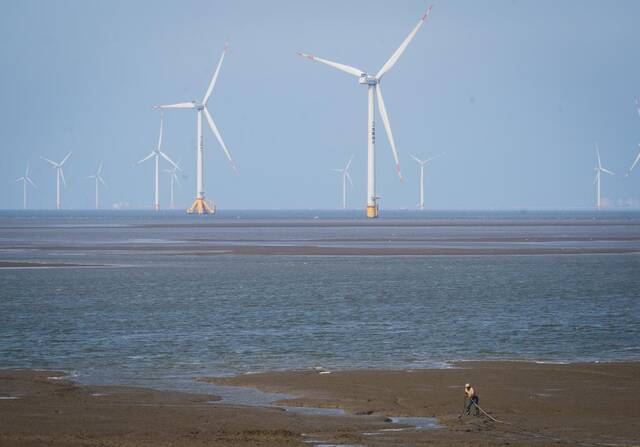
399,172
308,56
427,12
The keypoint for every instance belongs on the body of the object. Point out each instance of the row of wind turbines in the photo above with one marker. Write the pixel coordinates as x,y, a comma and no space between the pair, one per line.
374,91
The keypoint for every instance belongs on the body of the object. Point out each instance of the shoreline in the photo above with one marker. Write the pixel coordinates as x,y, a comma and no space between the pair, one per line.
540,404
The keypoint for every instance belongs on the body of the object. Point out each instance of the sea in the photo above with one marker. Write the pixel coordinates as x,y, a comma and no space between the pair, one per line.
135,305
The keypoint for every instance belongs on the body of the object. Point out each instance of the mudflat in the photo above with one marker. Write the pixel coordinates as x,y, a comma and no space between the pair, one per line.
536,404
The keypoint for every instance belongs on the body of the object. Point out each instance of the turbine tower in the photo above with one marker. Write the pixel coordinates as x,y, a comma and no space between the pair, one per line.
25,179
157,153
200,206
374,91
422,164
59,175
173,175
98,177
345,176
637,156
599,169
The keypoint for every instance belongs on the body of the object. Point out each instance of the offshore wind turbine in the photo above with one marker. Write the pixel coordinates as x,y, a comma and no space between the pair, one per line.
599,169
157,153
345,176
422,164
173,175
59,175
637,156
374,91
98,177
25,179
200,206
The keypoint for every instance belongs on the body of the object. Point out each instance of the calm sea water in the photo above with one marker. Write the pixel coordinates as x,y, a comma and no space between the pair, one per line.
153,317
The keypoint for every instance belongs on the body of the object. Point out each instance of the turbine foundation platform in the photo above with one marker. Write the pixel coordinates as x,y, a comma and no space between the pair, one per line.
372,211
200,206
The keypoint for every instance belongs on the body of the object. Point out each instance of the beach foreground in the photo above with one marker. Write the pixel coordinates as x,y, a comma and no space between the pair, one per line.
538,404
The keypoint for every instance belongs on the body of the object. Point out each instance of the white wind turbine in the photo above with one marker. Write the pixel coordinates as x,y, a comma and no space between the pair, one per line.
25,179
98,177
59,175
345,176
173,175
599,169
157,153
633,165
422,164
200,206
374,90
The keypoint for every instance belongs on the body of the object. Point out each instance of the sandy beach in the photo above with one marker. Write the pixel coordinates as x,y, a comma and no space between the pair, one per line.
537,404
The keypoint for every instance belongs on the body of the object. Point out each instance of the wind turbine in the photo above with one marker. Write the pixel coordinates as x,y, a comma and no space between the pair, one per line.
25,179
373,85
99,179
422,163
157,153
637,156
174,179
59,175
345,176
596,181
200,206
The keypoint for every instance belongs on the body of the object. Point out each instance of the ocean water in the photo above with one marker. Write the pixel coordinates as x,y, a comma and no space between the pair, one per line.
155,313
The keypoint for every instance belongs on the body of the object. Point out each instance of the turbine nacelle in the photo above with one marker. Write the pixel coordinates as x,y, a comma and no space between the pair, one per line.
366,79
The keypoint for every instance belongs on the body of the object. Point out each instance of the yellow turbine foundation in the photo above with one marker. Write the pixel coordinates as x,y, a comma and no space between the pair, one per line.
200,206
372,211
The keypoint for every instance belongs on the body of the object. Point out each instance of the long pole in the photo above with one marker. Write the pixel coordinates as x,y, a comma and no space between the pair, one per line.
199,157
156,203
97,202
598,188
421,186
344,190
24,194
57,188
372,207
172,204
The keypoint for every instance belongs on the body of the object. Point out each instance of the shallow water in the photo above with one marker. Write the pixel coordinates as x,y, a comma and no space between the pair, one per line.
165,318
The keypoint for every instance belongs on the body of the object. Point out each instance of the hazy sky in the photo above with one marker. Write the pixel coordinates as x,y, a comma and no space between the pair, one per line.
514,92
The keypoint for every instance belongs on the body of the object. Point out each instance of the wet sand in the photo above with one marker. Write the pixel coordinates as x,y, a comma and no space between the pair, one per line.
539,404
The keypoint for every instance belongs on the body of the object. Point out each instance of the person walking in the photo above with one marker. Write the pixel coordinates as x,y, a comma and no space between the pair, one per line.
471,398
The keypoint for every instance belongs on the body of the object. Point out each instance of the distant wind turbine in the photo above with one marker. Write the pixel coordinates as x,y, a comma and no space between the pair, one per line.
173,175
157,153
635,162
59,175
200,206
345,176
98,177
599,169
422,164
25,179
374,90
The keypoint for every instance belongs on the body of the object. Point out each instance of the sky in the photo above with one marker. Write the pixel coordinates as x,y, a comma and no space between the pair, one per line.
514,93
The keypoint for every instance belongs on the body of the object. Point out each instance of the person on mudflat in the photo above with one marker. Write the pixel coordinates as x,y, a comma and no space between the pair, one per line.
472,399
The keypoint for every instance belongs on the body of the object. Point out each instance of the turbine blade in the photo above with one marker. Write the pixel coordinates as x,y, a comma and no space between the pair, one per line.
607,171
52,163
635,162
598,155
177,179
147,157
21,179
65,158
338,170
31,181
215,131
387,128
595,180
215,75
26,172
346,68
64,182
348,177
161,127
99,169
180,105
102,181
349,164
395,56
415,158
433,158
166,157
